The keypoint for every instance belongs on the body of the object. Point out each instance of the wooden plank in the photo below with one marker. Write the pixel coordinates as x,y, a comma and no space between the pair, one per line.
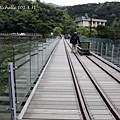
51,116
55,96
51,111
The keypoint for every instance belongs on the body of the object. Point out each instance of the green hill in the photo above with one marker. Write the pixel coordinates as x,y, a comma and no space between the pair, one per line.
32,17
108,10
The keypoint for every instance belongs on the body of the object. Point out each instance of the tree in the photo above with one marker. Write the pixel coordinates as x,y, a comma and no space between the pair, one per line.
42,19
57,31
67,23
44,29
85,31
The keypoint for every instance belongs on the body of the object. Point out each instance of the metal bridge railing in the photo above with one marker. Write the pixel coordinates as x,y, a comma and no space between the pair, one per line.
106,48
28,60
5,55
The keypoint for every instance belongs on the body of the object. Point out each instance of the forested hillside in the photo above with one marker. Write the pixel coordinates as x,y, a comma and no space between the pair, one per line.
32,17
35,17
108,10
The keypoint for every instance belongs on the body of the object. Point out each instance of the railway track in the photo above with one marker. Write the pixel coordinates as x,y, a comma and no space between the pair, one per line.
74,88
97,85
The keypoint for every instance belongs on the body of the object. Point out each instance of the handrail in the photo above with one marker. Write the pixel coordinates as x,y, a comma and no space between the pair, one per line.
27,68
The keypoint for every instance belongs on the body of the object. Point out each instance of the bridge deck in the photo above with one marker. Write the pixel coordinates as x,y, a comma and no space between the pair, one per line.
54,96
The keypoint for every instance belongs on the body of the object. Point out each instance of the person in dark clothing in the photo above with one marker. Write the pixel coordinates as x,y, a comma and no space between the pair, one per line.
74,40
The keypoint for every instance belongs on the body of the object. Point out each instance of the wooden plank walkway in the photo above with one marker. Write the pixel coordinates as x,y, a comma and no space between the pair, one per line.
55,96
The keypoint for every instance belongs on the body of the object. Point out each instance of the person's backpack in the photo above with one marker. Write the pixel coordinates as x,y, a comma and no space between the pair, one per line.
74,37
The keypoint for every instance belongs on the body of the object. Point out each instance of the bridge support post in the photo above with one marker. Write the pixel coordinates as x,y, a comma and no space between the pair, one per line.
119,57
112,55
101,52
106,50
97,48
11,90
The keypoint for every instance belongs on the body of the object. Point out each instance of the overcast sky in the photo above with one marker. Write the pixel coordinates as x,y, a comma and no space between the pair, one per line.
75,2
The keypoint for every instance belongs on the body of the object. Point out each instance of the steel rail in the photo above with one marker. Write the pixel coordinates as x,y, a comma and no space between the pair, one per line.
114,77
104,97
96,56
115,68
81,101
106,62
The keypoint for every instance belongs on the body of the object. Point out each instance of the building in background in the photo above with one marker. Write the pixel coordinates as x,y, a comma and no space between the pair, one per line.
86,21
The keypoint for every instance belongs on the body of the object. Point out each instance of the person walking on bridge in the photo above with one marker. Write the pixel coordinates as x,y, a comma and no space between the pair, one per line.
74,40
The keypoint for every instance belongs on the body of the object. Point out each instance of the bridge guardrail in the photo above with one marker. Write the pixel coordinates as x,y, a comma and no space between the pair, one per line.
28,61
106,48
5,56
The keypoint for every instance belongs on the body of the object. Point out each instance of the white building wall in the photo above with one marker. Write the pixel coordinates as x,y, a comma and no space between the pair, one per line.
86,22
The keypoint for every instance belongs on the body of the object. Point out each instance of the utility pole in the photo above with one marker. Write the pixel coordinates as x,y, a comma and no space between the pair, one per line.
90,26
